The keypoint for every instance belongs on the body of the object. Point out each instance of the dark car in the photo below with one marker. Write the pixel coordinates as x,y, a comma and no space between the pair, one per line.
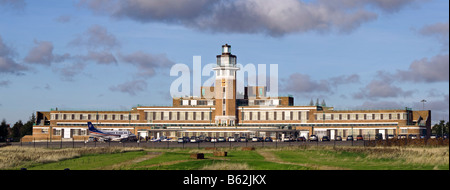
207,139
338,138
379,136
268,139
350,138
359,138
325,138
221,139
313,138
302,138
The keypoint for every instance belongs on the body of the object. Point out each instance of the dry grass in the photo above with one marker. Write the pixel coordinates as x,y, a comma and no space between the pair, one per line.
410,155
16,157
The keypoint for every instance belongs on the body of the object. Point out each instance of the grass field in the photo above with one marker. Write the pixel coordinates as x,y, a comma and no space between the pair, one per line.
288,158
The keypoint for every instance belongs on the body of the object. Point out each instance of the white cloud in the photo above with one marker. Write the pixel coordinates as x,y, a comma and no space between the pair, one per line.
42,53
440,31
130,87
147,63
96,37
272,17
380,89
435,69
7,63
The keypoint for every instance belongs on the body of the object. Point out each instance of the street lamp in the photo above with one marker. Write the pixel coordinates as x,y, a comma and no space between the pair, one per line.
423,103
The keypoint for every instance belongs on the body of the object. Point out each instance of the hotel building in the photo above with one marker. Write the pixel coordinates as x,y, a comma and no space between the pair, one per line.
219,113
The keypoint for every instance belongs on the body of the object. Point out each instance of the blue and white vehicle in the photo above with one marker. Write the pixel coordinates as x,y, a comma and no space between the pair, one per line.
110,135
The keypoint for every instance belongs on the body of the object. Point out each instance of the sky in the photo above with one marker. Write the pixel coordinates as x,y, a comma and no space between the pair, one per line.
115,55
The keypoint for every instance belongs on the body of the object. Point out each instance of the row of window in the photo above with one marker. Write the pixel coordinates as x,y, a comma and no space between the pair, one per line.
275,102
73,132
248,115
360,116
94,117
302,115
275,115
198,103
177,115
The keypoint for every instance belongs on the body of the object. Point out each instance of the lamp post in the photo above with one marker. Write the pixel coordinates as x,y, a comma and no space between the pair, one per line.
242,115
423,103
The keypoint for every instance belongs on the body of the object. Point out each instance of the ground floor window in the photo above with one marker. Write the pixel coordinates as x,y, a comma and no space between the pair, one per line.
57,132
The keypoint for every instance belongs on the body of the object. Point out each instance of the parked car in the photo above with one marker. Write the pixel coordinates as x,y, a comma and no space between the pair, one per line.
194,140
325,138
155,140
338,138
313,138
286,139
231,139
391,136
379,136
180,140
412,136
401,137
243,139
268,139
214,140
432,136
255,139
350,138
359,138
302,138
92,139
221,139
207,139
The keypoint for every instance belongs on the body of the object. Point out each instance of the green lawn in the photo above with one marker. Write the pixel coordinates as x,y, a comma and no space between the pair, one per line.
262,159
181,160
89,162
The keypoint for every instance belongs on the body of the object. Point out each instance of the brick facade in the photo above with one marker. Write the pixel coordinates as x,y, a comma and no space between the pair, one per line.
254,115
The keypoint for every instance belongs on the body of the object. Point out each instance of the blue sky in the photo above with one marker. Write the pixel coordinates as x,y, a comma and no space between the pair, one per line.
113,55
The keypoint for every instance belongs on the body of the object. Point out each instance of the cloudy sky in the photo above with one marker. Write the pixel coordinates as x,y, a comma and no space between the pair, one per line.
116,54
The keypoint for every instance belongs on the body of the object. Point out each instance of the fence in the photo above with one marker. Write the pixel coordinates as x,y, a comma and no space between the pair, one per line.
274,144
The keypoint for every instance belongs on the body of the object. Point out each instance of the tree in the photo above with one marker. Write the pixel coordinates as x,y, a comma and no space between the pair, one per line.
311,103
441,128
27,128
17,127
3,131
323,103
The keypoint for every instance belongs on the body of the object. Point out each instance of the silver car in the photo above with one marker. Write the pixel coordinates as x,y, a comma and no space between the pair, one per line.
313,138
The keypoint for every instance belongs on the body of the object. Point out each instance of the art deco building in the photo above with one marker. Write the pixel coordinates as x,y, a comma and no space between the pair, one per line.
218,113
